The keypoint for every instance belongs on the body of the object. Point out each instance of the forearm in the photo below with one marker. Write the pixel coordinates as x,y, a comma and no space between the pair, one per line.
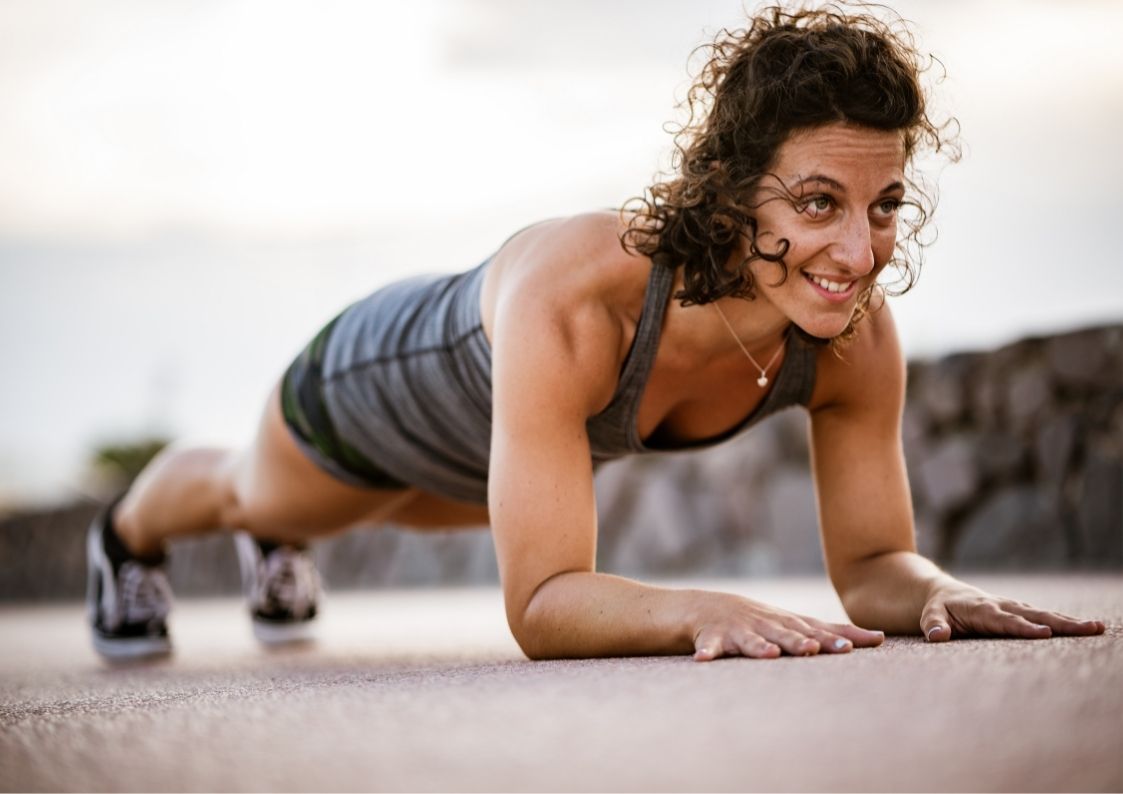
577,615
888,592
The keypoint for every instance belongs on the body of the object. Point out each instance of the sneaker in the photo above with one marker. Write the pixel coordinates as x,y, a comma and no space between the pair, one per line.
282,589
127,600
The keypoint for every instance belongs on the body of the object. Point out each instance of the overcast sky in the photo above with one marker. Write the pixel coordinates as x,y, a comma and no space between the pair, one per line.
188,189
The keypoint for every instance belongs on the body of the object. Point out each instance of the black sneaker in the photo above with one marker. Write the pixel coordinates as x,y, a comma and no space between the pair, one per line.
127,600
282,589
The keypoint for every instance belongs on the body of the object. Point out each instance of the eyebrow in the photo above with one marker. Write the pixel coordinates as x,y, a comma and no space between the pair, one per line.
836,185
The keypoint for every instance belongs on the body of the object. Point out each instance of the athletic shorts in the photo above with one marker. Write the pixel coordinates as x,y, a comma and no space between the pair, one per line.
302,405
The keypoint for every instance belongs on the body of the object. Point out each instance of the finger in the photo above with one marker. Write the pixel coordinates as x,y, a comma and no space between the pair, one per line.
707,647
833,643
1059,622
829,641
1043,615
1016,626
934,623
793,642
756,647
991,620
861,638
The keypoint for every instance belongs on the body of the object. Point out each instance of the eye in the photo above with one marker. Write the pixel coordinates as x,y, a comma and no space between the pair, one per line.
888,207
816,206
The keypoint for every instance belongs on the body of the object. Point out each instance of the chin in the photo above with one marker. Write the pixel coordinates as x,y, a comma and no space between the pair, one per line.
825,328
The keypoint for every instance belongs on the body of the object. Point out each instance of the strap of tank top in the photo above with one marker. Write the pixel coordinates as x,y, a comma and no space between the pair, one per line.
637,365
795,380
615,427
803,368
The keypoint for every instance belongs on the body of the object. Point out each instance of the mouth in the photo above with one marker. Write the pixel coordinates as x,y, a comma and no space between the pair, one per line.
833,291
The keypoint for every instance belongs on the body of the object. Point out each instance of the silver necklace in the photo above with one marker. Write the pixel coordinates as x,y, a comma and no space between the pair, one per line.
762,381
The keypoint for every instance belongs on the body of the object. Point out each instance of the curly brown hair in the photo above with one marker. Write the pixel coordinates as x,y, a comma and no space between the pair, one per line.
789,70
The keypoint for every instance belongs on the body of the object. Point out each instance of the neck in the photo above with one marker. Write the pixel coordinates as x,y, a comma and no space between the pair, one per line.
756,323
699,332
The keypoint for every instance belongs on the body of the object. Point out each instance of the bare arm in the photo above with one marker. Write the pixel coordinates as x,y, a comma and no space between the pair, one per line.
554,364
549,375
865,510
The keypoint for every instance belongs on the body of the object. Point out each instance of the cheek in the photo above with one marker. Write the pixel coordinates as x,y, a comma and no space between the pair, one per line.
804,244
883,245
775,222
768,238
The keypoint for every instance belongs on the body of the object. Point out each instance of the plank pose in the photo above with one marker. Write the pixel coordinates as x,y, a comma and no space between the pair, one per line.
744,283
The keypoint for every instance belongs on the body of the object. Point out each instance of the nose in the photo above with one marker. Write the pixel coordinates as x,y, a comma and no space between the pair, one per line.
853,249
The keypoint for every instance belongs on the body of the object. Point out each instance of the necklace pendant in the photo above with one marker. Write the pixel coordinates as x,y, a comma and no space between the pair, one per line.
762,381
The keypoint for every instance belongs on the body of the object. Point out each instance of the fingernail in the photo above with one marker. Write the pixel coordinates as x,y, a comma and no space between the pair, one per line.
932,631
839,644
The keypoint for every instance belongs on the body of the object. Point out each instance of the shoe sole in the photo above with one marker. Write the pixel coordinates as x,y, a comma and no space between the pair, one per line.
115,648
132,648
279,634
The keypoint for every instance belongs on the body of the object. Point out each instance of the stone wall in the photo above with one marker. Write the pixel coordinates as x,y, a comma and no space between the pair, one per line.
1015,461
1015,458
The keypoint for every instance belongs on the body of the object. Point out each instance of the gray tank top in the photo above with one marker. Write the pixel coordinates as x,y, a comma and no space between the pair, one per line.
407,382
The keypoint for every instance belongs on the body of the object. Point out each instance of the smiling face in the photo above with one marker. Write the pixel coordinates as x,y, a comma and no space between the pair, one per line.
836,204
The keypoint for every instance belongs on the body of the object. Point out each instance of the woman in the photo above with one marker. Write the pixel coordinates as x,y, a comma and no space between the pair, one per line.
744,284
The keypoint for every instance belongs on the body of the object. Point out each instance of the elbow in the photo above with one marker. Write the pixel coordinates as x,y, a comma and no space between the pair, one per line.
530,635
854,606
853,583
851,579
534,624
522,629
533,650
851,592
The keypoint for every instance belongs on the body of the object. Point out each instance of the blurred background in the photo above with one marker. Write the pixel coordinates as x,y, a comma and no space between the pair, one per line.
188,190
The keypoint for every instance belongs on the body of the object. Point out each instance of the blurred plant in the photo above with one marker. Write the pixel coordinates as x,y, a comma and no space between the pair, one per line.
120,463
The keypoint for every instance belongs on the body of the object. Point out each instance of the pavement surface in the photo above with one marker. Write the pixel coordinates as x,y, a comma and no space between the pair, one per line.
426,690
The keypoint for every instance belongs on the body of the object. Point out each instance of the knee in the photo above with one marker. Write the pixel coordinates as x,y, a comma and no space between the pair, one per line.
249,505
250,511
238,502
259,507
231,513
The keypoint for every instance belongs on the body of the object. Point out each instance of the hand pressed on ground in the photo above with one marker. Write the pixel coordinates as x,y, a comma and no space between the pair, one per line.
729,625
960,610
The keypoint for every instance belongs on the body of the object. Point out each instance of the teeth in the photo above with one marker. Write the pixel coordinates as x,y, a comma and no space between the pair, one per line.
830,286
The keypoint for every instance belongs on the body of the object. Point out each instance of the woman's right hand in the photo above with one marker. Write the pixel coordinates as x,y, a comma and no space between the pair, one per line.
729,625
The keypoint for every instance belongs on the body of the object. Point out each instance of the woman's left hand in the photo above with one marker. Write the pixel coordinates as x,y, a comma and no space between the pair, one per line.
960,610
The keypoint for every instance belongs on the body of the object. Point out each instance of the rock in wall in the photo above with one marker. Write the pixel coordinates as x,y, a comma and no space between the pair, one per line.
1016,457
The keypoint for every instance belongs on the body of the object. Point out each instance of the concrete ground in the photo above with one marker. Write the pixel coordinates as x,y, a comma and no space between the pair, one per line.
427,691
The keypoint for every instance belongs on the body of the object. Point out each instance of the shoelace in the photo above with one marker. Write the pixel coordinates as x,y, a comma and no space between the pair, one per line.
145,593
288,580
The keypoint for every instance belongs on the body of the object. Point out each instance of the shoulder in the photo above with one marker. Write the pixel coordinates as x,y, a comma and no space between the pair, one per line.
570,257
868,373
567,292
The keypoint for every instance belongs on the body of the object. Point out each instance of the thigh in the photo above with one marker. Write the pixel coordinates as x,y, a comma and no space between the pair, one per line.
282,494
429,511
